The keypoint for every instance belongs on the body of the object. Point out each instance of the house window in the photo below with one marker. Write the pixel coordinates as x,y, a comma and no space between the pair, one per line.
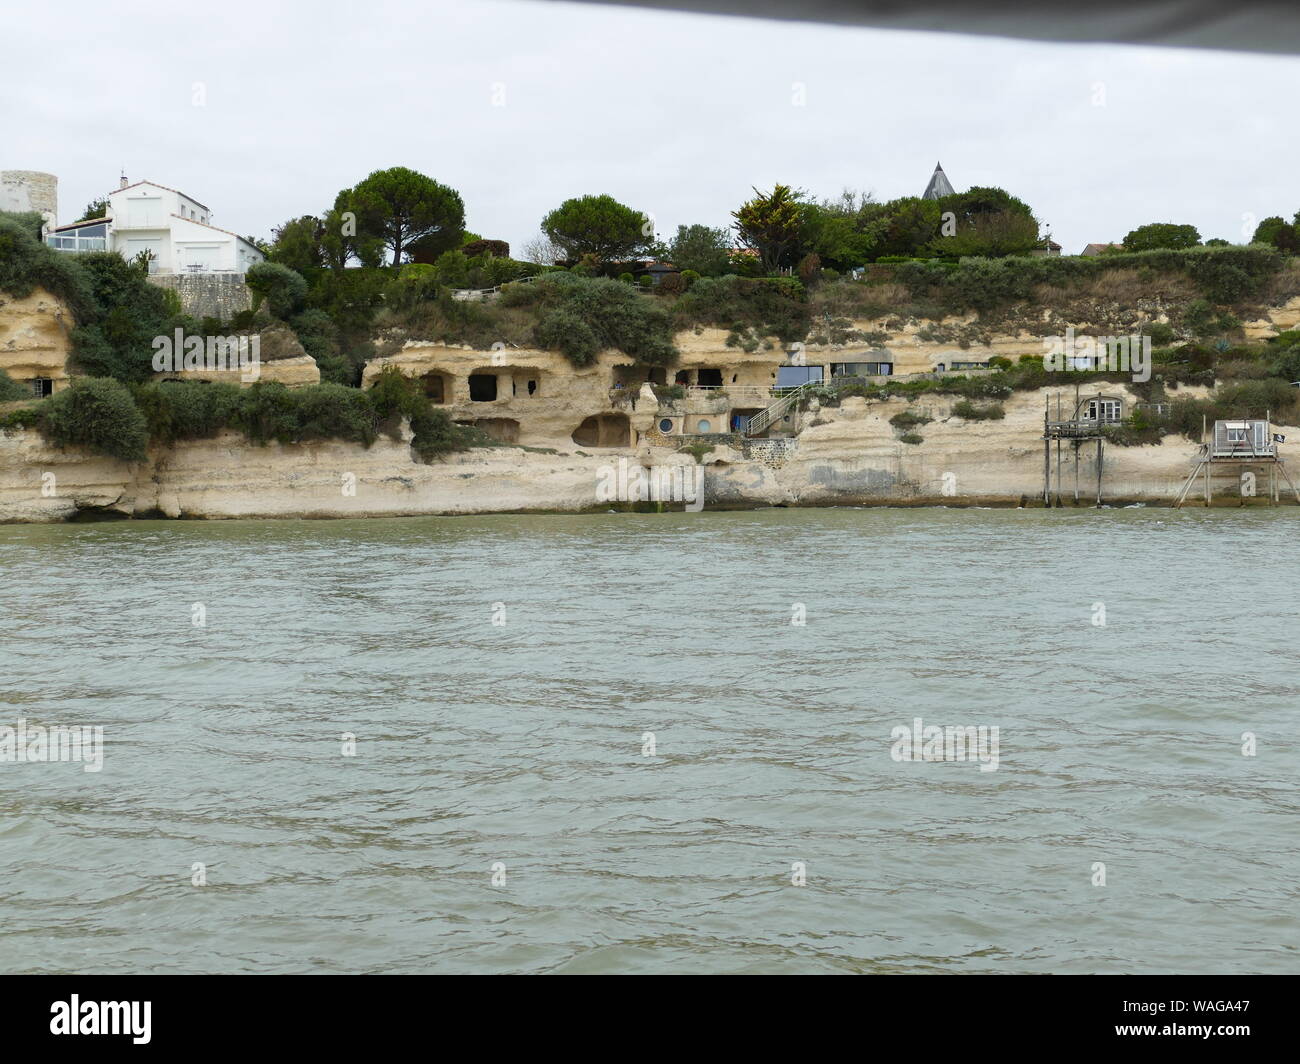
1103,410
42,386
666,425
703,426
861,369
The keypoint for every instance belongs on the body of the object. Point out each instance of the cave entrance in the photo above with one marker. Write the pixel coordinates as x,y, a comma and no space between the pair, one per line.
435,386
604,430
482,387
501,429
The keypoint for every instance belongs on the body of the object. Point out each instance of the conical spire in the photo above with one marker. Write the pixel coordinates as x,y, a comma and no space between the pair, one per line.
939,185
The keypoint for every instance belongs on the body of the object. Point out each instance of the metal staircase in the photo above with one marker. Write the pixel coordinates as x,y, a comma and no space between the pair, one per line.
761,421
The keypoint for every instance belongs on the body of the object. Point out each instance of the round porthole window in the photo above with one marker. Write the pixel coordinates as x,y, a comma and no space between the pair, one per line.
702,427
666,425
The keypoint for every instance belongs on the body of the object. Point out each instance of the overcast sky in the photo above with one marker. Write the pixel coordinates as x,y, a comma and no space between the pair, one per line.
263,111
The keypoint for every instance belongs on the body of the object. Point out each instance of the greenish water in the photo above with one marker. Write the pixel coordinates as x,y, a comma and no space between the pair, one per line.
522,743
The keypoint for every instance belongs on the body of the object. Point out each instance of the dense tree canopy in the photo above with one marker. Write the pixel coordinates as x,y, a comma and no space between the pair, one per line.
598,226
701,248
1162,235
97,208
405,211
1278,233
772,224
297,244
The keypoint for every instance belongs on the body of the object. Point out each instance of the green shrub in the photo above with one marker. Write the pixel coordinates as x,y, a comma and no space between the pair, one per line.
26,263
770,306
1162,334
414,283
394,396
25,417
319,337
116,339
10,389
697,451
96,413
187,410
1223,274
333,412
671,284
564,329
284,290
908,419
911,437
968,411
582,316
183,410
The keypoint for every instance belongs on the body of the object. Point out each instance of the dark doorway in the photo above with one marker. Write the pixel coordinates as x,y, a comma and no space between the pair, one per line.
482,387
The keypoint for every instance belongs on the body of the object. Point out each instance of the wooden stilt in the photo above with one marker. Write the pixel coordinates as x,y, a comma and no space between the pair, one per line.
1099,458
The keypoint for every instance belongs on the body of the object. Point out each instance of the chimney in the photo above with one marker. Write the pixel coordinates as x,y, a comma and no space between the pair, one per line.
122,182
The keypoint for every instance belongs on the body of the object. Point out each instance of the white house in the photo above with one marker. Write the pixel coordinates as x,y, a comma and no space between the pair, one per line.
176,230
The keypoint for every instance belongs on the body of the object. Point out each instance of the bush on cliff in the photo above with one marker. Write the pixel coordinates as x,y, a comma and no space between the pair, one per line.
394,396
767,306
1222,275
116,339
582,316
96,413
283,290
27,264
968,411
908,419
188,410
10,389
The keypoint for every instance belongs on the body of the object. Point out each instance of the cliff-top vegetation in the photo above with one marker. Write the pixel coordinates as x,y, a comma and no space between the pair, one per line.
380,266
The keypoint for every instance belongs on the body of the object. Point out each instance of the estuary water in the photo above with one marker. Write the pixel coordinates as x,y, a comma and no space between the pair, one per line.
607,744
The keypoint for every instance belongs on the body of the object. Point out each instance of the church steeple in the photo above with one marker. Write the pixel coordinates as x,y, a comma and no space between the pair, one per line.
939,185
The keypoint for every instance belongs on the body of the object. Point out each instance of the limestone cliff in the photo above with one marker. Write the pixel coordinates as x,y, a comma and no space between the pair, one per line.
35,338
850,455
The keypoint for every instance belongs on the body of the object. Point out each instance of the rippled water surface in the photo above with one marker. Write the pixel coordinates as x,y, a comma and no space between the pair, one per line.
522,743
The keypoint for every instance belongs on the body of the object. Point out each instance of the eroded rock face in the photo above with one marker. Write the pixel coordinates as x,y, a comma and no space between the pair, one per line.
535,398
281,358
35,342
1279,319
291,372
35,337
41,483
